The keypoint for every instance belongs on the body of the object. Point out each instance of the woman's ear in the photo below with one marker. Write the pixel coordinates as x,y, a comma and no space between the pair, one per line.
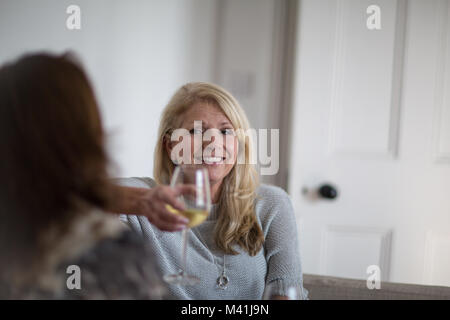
168,145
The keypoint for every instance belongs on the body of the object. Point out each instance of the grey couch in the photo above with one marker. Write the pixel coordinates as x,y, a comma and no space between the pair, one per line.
333,288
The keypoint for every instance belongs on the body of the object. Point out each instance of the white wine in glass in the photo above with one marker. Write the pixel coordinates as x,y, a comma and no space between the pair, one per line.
198,204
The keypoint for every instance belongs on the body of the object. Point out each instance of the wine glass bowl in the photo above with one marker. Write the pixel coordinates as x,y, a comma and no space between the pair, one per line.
291,292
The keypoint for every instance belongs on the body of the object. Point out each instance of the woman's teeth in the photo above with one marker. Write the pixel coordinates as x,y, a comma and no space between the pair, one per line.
211,160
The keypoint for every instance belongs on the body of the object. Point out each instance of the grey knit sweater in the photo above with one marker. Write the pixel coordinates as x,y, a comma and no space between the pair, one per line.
278,262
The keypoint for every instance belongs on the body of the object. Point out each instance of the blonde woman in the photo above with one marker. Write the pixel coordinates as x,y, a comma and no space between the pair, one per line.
249,239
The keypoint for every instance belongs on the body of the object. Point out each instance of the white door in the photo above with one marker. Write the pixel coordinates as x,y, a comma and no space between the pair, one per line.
371,117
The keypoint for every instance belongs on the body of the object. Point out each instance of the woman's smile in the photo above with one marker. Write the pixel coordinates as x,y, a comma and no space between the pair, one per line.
213,160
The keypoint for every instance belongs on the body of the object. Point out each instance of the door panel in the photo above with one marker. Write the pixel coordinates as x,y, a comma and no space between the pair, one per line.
341,244
364,97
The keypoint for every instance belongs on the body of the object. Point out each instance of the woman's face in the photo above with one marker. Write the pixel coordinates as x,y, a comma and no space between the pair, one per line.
215,146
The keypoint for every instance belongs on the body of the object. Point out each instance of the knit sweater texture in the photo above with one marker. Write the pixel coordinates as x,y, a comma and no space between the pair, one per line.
277,263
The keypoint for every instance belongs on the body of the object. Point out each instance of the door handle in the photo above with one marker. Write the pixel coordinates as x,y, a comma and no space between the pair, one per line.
324,191
327,191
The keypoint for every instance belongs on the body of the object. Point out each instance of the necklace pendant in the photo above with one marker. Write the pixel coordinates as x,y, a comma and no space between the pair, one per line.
222,282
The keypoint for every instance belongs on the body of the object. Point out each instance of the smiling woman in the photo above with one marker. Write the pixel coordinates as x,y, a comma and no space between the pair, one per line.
218,156
232,186
249,239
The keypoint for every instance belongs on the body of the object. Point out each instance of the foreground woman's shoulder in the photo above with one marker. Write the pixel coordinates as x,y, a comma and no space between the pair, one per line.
118,268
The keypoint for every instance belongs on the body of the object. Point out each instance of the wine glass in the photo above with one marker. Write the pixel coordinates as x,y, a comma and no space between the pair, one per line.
197,206
272,292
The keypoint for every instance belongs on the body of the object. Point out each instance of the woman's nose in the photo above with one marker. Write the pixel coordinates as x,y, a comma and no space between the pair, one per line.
214,148
213,141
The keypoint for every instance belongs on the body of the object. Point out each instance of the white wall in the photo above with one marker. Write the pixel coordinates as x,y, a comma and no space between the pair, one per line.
250,60
136,52
245,55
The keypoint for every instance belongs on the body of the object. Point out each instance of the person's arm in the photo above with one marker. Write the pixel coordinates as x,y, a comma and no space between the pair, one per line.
150,203
282,249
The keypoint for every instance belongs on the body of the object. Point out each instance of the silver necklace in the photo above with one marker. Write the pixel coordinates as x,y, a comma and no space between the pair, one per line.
222,281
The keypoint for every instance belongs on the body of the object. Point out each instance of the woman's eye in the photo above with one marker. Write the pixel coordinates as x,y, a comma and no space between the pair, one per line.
195,131
228,131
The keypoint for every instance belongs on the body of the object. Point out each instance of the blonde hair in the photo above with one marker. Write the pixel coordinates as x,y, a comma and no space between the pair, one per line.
237,223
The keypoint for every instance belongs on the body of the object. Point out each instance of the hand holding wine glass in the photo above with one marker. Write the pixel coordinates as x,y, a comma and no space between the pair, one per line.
197,206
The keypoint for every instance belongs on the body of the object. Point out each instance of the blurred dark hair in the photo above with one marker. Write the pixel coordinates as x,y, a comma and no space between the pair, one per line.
53,163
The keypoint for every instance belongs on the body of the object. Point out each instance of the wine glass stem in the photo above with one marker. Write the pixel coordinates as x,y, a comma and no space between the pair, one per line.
183,257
